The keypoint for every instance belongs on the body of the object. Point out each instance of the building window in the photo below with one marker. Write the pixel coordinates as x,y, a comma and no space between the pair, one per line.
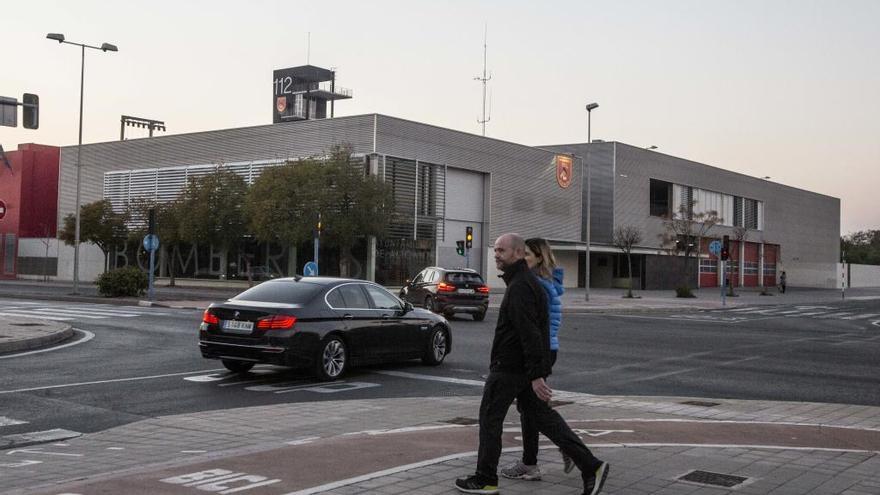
661,193
708,265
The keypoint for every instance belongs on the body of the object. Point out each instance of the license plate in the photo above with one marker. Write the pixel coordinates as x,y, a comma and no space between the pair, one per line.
235,326
465,291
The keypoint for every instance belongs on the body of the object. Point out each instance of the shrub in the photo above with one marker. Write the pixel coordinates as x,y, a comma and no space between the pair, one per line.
129,281
684,292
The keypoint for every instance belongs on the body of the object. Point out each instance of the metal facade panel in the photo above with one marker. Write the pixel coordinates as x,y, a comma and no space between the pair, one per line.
806,224
600,158
268,142
525,196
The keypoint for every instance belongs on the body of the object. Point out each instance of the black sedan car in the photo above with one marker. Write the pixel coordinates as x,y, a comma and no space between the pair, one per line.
322,323
448,291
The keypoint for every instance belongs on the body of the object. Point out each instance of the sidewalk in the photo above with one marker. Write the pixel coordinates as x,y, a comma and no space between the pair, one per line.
418,446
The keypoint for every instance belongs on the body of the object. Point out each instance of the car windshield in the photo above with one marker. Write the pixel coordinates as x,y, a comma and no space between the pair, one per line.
463,278
281,291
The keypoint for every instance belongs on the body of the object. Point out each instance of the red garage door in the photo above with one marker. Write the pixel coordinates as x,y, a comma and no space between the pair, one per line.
771,258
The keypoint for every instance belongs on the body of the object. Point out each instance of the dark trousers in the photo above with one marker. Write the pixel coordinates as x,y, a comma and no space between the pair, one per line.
530,428
498,394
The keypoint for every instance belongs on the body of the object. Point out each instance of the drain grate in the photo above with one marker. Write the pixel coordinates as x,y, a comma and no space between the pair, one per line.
713,479
462,421
701,403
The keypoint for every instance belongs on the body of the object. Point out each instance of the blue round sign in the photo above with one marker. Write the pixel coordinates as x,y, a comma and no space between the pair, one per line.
715,247
151,242
310,269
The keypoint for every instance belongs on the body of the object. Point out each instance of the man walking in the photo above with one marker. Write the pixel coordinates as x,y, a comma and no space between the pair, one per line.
520,360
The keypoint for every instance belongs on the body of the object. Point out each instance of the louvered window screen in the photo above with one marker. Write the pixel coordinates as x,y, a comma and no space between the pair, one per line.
419,197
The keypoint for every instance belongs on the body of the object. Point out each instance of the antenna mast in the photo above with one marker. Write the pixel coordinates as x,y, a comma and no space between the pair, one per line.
484,80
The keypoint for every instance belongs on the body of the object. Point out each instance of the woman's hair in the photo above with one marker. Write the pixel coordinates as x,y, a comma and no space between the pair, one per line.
540,247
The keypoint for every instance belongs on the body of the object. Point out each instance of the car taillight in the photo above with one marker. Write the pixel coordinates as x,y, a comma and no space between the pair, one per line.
210,318
444,287
483,289
277,322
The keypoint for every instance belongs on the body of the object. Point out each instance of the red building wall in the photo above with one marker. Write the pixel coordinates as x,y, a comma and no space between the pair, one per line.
30,192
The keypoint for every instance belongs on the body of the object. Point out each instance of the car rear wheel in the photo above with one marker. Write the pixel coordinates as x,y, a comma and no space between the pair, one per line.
237,366
438,347
480,316
332,359
429,303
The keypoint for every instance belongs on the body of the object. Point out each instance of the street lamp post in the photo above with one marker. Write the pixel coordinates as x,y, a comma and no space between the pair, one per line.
590,108
105,47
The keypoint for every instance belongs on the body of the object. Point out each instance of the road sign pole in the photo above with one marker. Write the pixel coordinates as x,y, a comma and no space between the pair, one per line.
723,284
151,293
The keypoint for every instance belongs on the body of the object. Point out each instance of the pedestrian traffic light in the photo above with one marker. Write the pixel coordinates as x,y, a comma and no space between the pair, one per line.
31,111
468,237
459,247
725,248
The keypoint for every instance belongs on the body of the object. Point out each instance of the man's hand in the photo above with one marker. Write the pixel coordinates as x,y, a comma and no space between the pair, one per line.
541,389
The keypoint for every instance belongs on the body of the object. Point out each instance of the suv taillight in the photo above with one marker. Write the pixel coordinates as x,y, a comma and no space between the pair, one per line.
210,318
483,289
444,287
277,322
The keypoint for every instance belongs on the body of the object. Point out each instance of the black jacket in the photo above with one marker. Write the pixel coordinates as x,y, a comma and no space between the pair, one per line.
522,335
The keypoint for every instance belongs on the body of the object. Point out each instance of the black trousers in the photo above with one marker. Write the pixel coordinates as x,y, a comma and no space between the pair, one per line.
530,428
498,394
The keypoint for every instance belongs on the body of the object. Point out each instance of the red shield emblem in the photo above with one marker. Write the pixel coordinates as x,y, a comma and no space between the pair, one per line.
281,104
563,171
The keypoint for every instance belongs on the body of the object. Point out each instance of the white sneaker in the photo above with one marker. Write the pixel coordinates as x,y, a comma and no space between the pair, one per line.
520,471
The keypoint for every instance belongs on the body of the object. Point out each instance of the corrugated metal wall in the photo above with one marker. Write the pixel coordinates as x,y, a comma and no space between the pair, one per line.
525,196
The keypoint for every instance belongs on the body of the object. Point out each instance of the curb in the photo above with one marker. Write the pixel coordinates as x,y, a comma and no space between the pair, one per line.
37,342
36,438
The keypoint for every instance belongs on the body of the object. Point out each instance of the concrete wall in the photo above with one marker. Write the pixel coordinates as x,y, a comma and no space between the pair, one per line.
863,275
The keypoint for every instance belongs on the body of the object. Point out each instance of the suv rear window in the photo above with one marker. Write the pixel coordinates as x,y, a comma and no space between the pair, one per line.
463,278
281,291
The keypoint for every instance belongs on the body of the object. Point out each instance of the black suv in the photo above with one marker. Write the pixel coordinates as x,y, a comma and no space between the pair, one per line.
448,291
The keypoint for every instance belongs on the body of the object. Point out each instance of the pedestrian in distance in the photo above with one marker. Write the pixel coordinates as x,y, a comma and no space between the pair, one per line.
542,262
518,365
782,282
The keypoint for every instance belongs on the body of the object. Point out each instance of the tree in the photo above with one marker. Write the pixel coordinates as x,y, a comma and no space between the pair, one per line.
861,247
624,238
213,207
683,234
284,203
98,225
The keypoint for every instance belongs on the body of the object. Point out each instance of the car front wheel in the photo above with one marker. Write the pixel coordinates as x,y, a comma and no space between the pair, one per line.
438,347
332,359
237,366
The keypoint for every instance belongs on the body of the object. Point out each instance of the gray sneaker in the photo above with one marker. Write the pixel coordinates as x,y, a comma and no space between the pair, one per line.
520,471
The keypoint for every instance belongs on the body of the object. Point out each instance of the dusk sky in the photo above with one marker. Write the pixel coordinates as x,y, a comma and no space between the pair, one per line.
785,89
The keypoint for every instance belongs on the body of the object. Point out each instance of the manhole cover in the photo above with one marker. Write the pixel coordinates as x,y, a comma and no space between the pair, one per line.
713,479
701,403
462,421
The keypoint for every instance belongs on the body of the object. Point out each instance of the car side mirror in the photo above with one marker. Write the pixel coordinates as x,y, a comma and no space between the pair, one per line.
407,307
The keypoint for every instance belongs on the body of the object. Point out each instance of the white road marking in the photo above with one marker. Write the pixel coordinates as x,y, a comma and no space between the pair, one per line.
88,336
861,316
98,382
403,374
5,421
85,313
32,315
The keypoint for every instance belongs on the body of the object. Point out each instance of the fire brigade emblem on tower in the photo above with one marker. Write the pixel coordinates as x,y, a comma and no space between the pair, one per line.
563,170
281,103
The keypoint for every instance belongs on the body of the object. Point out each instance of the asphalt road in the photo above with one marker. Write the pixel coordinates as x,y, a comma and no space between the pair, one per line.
134,363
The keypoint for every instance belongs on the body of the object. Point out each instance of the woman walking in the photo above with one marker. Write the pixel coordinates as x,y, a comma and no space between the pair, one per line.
541,261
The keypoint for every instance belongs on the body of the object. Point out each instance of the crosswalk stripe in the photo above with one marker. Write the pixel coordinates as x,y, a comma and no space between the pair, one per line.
836,315
861,316
62,312
35,316
6,421
813,313
743,309
85,312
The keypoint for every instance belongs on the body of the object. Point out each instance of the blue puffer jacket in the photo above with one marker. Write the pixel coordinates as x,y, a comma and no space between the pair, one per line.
554,291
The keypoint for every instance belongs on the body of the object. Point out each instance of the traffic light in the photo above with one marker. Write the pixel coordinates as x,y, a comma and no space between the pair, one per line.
151,221
459,247
31,111
725,248
468,237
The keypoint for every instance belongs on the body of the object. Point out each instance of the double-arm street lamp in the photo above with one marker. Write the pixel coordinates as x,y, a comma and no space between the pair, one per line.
590,108
105,47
